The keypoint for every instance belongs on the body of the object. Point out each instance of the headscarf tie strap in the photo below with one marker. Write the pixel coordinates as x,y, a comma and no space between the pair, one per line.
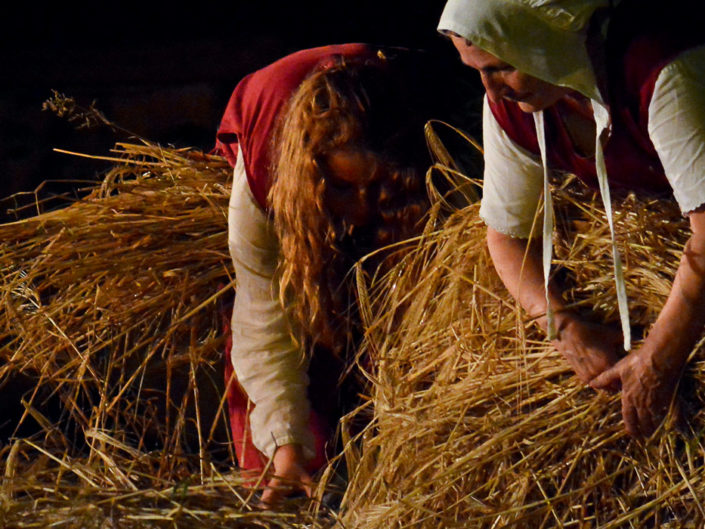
602,123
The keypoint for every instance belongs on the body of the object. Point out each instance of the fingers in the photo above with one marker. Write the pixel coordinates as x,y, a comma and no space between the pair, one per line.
585,366
630,418
640,421
645,394
643,410
308,488
589,351
272,494
648,423
609,380
278,489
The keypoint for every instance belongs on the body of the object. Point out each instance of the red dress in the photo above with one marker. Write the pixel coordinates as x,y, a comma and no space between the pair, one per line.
248,125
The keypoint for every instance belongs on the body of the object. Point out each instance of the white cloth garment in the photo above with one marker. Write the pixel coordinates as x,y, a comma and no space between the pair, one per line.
268,365
514,177
547,39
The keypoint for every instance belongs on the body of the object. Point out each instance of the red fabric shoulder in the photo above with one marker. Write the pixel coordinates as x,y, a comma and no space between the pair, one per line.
643,37
518,125
250,118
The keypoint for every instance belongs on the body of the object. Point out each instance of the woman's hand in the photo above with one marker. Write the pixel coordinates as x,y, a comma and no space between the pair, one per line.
649,376
647,391
589,348
290,475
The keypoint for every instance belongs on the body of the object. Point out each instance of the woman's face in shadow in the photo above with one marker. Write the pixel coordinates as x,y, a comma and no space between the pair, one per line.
503,81
352,179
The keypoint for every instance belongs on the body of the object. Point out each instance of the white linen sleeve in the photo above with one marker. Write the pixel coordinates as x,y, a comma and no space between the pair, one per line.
268,366
513,181
677,126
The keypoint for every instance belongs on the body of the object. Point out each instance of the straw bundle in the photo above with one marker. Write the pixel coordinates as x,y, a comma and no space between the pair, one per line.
96,292
480,424
113,308
111,315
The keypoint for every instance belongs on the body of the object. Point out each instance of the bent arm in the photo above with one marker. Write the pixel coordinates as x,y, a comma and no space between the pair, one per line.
677,129
680,322
588,348
513,184
518,264
650,375
268,365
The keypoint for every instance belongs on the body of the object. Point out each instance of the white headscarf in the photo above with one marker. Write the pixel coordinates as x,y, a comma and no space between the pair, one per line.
547,40
543,38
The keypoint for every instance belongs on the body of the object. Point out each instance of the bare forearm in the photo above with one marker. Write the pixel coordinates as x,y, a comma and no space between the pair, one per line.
650,375
588,348
519,265
682,318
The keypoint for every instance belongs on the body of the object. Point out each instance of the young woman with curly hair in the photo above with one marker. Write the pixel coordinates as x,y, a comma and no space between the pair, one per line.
330,160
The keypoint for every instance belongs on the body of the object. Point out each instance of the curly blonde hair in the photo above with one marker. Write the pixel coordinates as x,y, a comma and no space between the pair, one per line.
362,105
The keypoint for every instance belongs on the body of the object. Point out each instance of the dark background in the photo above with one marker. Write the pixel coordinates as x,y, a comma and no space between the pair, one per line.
163,71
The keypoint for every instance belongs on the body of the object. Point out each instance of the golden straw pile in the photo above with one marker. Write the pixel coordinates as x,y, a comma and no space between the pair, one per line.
480,424
111,325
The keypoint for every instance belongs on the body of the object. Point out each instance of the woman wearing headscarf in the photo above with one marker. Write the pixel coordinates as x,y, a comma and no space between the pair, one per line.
329,159
613,92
